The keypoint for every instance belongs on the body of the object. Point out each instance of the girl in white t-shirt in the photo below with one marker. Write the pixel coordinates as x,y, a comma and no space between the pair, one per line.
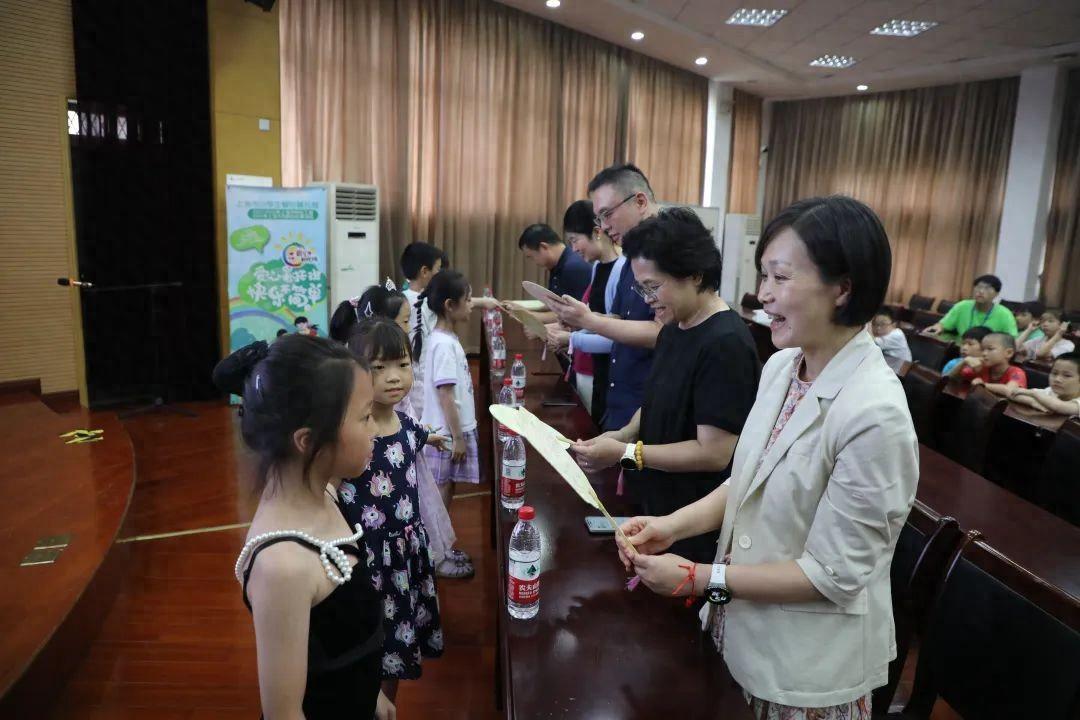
1063,395
449,406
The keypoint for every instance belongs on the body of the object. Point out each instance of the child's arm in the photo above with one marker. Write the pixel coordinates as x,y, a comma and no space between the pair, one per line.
1025,397
1026,334
1052,404
453,420
1005,390
1046,352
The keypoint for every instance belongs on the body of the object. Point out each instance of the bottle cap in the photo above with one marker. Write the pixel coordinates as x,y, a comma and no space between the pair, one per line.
526,512
518,356
507,381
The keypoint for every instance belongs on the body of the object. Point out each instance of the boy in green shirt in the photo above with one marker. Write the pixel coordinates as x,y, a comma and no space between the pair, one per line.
979,311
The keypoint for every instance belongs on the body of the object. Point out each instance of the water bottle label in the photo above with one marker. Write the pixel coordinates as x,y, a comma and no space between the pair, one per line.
513,480
517,382
524,581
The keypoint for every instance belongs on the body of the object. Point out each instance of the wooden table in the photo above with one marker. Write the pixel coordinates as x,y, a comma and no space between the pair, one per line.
1030,536
595,649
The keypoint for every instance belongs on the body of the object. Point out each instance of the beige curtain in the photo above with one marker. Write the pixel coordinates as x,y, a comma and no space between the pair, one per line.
1061,266
745,153
472,118
931,162
665,128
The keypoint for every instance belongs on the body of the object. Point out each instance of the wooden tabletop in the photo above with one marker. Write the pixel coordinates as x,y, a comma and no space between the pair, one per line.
53,489
595,649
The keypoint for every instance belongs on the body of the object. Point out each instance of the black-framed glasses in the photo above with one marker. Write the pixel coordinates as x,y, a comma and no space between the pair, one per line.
648,294
605,215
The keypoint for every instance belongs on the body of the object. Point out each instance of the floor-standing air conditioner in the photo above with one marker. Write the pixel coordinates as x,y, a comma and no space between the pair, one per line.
353,234
741,235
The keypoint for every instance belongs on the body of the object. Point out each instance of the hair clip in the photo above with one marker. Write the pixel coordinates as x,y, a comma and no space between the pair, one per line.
355,301
390,285
367,310
258,380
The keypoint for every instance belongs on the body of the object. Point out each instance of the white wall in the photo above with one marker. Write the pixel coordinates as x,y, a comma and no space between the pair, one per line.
1029,181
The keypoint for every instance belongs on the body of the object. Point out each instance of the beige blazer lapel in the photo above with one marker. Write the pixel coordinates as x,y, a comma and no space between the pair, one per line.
825,387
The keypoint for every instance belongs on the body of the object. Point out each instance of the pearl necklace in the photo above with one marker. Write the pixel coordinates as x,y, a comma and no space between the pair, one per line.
329,552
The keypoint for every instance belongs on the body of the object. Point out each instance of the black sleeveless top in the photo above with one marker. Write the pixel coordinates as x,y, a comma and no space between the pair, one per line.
345,642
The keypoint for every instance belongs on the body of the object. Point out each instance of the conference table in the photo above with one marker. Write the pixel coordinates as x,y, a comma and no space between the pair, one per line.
595,650
598,650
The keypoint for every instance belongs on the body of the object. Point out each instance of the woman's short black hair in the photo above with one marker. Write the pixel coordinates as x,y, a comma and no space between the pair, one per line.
845,240
379,338
579,218
992,280
298,382
680,245
536,234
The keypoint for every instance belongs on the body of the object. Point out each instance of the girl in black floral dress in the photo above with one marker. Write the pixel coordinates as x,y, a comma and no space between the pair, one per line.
384,501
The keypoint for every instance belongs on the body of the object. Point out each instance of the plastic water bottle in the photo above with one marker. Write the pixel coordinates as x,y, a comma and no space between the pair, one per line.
523,581
508,398
517,375
512,478
498,352
488,313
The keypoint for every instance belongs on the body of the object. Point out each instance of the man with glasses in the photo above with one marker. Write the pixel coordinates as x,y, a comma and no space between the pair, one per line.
980,310
622,199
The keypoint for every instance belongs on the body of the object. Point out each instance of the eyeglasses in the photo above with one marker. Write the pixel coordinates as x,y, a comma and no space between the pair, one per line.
648,294
605,215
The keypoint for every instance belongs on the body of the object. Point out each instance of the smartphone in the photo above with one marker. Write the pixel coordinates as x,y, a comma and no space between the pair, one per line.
599,525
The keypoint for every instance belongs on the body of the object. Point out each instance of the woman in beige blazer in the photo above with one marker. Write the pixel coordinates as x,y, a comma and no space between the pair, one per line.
822,481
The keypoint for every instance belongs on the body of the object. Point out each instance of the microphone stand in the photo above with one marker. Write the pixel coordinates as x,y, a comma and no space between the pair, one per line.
159,404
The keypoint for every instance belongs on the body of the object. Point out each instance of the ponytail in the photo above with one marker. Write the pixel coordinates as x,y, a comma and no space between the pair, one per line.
418,330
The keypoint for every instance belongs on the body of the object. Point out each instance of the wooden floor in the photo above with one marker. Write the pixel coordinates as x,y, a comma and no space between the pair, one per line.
178,643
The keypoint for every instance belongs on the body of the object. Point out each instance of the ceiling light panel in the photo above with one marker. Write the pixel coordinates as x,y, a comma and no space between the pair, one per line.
756,18
835,62
903,28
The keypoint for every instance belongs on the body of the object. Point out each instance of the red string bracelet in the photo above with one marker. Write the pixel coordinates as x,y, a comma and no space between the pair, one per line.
691,570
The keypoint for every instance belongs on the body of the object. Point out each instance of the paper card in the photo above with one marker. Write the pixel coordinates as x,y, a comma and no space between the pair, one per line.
531,305
530,321
542,294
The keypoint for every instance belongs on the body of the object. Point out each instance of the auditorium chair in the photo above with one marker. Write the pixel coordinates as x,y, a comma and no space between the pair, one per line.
923,388
928,351
967,440
1038,374
918,572
1000,643
945,306
920,302
1058,485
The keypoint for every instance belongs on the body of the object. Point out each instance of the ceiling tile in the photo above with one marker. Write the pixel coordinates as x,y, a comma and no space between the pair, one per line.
668,8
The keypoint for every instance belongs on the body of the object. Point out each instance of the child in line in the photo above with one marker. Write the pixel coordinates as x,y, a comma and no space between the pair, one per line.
1026,314
449,405
970,353
1053,342
996,373
888,335
384,500
318,629
390,303
1062,397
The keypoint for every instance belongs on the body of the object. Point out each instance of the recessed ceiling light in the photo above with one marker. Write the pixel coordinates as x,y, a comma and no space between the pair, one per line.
903,28
756,18
701,60
862,88
637,35
836,62
553,3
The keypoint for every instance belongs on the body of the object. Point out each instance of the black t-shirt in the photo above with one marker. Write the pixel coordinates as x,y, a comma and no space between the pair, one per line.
706,375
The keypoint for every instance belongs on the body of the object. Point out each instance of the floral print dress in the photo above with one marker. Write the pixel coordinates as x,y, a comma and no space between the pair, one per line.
385,502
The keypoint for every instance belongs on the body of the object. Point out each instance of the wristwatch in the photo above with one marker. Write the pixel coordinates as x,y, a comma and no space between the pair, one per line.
628,461
716,592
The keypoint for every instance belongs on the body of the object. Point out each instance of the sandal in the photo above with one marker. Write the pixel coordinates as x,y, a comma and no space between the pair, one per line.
459,555
454,570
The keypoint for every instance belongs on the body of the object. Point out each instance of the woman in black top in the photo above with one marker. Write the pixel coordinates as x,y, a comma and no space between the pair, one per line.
318,619
703,381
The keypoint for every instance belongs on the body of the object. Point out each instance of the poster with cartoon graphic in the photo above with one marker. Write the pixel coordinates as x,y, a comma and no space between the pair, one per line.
277,263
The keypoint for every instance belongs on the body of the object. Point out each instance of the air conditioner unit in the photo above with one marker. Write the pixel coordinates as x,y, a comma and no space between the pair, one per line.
741,235
353,239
